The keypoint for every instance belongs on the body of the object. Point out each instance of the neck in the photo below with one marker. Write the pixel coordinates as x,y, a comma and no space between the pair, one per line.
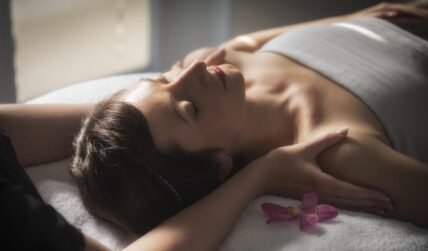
278,114
271,118
267,126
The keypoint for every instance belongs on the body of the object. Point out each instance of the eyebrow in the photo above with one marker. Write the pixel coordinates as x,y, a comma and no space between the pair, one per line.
171,103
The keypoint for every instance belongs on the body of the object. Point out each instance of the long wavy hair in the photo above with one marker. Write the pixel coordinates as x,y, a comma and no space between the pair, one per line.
125,180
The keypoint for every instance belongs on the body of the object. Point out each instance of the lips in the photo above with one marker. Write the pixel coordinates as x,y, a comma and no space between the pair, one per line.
220,73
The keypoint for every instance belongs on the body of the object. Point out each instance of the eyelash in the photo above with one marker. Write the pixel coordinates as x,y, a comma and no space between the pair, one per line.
163,80
195,108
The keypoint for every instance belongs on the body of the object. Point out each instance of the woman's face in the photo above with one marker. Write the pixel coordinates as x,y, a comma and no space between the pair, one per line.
194,109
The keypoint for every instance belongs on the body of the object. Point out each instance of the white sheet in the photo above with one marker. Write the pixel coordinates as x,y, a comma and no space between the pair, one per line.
349,231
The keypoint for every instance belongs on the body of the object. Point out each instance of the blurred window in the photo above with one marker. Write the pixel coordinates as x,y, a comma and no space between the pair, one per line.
58,43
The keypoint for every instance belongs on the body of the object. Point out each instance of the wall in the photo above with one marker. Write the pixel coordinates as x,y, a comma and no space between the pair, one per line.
59,43
7,71
177,27
189,24
252,15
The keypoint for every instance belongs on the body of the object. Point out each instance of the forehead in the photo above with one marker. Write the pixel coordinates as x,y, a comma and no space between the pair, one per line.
139,91
157,106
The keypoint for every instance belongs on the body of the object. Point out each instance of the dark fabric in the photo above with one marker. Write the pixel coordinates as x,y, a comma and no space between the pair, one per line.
26,222
416,26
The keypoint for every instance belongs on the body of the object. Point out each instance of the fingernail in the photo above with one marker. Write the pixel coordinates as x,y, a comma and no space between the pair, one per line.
384,198
343,131
391,13
196,60
220,50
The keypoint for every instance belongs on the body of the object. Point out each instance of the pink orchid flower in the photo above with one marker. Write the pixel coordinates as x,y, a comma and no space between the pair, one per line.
309,213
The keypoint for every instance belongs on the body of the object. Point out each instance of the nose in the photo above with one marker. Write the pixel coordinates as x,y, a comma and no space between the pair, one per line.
197,66
177,72
197,69
195,74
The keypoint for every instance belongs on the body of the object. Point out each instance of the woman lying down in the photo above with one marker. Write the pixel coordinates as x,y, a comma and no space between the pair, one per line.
261,114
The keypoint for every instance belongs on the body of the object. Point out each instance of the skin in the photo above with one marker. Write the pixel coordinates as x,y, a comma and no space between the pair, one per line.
283,112
363,157
285,103
231,121
195,127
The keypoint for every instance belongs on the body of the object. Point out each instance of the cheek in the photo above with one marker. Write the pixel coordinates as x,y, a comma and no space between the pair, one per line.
222,118
221,123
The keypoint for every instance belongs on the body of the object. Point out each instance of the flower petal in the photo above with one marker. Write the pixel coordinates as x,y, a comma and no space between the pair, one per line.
324,212
309,201
307,221
279,213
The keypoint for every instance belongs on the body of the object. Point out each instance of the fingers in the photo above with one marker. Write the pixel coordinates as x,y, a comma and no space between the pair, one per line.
375,211
394,9
409,10
390,10
361,204
349,195
216,58
348,190
319,144
178,65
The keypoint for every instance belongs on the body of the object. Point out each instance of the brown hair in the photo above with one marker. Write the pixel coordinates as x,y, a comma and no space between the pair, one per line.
124,179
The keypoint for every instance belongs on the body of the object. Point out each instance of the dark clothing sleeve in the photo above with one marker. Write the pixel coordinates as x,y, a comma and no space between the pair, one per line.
26,222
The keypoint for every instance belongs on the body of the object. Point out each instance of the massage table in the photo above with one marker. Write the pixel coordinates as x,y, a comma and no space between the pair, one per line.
348,231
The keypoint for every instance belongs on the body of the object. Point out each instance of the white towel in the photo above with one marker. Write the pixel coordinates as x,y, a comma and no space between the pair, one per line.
348,231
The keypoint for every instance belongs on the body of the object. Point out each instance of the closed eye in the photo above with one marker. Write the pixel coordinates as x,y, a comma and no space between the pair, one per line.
191,109
163,79
185,110
196,110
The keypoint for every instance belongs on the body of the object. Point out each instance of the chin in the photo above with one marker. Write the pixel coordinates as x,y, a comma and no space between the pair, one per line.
235,74
239,80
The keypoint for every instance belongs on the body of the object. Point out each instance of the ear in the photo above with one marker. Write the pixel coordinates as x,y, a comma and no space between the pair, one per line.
222,161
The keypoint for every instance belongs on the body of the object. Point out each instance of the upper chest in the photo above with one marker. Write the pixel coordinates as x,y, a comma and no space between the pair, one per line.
324,104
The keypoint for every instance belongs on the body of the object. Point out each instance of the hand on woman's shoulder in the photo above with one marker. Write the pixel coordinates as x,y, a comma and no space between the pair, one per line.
365,160
344,159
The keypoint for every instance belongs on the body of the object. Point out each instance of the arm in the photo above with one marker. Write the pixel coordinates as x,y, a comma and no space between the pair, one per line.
253,41
248,42
42,133
366,161
204,225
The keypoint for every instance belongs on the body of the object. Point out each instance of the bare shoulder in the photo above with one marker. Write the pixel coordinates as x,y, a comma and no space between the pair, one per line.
359,149
363,159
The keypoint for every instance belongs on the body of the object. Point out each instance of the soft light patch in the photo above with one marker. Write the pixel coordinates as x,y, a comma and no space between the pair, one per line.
137,94
362,30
